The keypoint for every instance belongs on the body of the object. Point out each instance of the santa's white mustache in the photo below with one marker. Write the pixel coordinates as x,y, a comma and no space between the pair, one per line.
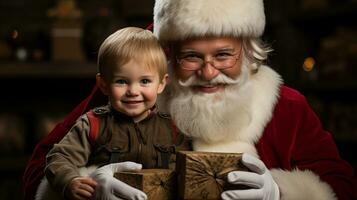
220,79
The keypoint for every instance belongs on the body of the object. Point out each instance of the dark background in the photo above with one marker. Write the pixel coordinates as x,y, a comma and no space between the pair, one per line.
315,50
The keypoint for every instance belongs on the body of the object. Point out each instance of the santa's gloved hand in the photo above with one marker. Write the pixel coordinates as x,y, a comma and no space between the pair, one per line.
259,179
113,189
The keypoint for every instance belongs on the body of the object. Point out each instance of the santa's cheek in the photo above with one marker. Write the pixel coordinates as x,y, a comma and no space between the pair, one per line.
184,74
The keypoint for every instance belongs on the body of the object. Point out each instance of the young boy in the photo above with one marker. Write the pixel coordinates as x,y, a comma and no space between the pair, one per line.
132,72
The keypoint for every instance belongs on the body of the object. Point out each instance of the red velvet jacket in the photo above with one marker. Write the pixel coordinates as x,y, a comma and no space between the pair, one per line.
288,142
279,146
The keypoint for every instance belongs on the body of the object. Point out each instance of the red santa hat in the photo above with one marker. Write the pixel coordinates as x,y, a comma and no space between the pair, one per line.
181,19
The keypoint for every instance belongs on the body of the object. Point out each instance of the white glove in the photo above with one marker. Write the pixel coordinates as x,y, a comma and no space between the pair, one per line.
260,179
110,188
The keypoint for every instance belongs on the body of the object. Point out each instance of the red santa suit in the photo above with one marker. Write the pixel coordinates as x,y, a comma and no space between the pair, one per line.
287,136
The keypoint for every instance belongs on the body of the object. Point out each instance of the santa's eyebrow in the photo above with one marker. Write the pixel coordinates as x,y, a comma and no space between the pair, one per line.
184,51
225,49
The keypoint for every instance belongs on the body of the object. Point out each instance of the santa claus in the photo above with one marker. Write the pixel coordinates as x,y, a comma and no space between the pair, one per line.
227,100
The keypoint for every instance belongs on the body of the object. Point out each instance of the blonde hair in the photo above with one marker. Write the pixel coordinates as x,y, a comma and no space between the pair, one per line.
127,44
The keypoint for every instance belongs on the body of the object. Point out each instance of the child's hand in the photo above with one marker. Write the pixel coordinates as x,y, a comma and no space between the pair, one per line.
80,188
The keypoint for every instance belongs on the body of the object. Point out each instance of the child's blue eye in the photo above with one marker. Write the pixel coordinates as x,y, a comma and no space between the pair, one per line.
145,81
121,81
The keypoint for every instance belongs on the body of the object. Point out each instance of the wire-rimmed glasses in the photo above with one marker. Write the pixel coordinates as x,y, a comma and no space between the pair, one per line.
193,61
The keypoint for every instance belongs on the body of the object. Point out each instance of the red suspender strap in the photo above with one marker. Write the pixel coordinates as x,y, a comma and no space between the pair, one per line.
150,27
93,127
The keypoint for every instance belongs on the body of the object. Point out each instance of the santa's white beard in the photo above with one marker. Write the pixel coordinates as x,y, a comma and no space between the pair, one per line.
212,117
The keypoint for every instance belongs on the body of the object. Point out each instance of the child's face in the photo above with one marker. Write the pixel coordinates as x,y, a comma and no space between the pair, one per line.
134,89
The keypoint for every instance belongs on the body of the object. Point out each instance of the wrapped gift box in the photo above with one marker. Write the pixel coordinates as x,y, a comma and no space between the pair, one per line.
158,184
203,175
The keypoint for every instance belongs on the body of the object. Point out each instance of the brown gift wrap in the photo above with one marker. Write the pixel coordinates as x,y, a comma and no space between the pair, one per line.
157,184
203,175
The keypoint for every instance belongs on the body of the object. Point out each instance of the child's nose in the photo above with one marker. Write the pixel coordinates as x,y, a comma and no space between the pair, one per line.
133,90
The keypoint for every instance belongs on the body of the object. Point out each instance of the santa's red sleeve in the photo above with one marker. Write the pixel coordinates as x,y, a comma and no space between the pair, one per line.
34,170
302,156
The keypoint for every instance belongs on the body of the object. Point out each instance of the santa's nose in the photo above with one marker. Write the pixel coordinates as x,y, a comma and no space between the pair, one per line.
207,72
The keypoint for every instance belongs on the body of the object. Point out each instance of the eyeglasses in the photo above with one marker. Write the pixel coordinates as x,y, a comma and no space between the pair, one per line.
193,61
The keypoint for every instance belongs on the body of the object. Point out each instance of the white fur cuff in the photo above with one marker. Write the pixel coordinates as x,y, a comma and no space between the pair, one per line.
298,184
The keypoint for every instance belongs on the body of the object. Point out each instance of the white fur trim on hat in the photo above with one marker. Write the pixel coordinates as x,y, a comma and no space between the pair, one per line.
181,19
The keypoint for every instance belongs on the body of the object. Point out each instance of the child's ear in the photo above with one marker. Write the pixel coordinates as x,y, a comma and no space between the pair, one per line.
163,84
102,84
